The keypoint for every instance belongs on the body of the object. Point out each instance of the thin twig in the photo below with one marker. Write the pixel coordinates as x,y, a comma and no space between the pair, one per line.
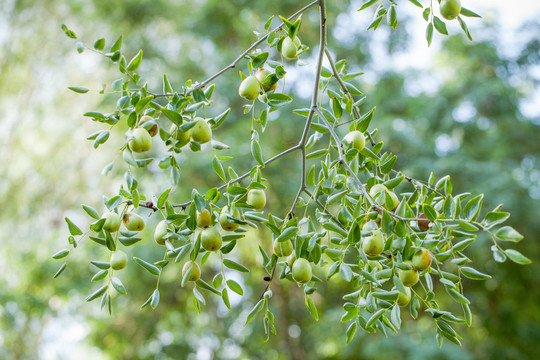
314,99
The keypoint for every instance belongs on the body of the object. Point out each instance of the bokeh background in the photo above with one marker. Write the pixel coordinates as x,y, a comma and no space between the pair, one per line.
467,109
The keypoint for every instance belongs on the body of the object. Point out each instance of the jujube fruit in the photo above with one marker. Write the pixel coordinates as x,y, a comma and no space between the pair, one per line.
301,271
112,221
211,239
224,220
356,139
195,270
201,132
421,260
450,9
118,260
204,219
160,232
408,277
373,245
150,124
141,141
262,74
133,222
249,88
256,198
289,47
423,225
404,298
284,248
179,135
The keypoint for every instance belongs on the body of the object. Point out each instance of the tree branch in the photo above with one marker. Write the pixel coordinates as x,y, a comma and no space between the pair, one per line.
241,56
342,160
314,99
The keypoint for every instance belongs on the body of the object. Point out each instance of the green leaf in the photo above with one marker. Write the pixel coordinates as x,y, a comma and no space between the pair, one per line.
234,265
60,270
508,233
97,293
256,152
472,208
374,317
256,309
68,32
278,100
468,13
517,257
259,60
464,27
429,33
430,212
99,44
78,89
91,211
312,308
440,25
73,229
225,297
456,295
61,254
118,286
152,269
365,5
287,234
155,299
234,286
474,274
163,197
345,272
494,218
218,168
135,62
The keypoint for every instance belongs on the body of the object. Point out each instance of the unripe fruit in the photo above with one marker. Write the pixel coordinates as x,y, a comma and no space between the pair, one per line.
177,134
204,219
408,277
301,271
160,232
356,139
195,270
141,141
112,221
211,239
224,221
201,132
133,222
249,88
423,224
373,245
118,260
256,198
289,47
395,200
374,264
261,74
450,9
378,188
284,248
421,260
404,298
291,259
149,123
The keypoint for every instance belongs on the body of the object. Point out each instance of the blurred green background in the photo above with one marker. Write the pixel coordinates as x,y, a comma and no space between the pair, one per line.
467,109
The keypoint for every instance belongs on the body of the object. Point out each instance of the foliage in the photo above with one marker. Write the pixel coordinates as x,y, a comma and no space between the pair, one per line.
345,219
